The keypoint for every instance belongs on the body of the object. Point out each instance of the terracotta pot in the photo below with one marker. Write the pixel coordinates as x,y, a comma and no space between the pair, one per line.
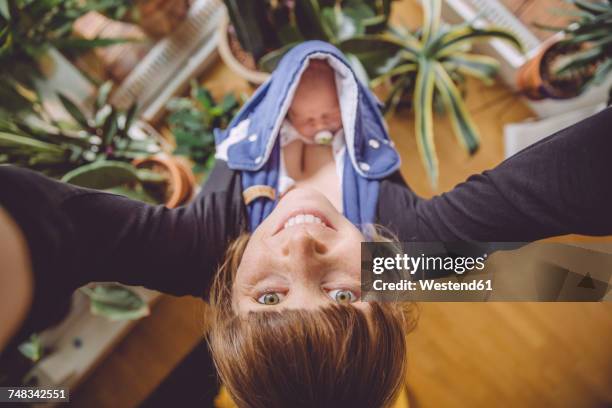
181,181
529,80
243,64
535,82
159,18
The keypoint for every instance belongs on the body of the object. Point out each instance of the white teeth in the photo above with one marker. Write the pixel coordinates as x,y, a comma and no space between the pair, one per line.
303,219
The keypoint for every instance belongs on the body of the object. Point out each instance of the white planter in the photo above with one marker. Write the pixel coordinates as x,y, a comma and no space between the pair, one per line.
459,11
252,76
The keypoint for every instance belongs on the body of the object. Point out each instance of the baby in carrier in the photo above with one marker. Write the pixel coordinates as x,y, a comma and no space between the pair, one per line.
312,138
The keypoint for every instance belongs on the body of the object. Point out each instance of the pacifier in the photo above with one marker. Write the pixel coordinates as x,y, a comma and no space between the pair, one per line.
323,137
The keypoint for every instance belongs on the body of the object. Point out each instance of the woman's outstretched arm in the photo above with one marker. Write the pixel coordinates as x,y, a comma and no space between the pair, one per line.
76,235
560,185
87,235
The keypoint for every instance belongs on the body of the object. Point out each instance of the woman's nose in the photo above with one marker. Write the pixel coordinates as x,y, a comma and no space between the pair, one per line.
302,243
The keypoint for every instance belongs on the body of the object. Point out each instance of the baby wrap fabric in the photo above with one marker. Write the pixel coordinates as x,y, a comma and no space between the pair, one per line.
251,144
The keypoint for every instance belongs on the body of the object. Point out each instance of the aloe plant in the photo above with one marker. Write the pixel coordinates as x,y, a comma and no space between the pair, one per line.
591,35
428,67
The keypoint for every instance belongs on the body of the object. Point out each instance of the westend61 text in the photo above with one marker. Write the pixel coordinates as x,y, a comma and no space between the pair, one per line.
430,284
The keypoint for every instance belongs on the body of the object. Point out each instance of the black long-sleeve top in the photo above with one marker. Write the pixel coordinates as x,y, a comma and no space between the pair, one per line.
557,186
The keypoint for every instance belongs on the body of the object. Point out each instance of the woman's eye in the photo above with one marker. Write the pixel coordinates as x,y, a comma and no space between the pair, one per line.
271,298
343,296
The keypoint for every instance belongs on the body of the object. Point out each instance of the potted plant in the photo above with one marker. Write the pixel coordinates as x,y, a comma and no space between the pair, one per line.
192,121
581,56
427,69
157,18
28,29
262,31
93,151
180,181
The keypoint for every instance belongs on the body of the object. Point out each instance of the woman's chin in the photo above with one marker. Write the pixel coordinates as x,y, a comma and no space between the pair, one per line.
305,196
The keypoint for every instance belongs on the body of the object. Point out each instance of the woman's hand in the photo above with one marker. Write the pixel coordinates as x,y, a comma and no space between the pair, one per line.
16,285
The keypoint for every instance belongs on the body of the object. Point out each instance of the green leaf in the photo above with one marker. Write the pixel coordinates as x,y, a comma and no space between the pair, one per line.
399,70
398,89
309,20
5,10
129,117
8,140
103,93
579,60
32,348
116,302
252,26
470,34
109,128
151,177
102,175
592,7
377,54
228,103
432,10
74,111
202,95
86,44
423,102
478,66
464,127
601,73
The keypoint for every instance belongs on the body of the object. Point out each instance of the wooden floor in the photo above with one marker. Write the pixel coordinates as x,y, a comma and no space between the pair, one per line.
546,12
461,355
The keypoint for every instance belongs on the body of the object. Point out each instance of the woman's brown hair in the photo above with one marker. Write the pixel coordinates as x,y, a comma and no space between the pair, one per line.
336,356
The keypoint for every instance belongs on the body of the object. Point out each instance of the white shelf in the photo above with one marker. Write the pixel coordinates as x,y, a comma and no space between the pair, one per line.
69,364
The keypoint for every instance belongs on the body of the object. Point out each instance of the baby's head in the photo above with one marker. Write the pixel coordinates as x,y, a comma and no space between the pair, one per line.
315,104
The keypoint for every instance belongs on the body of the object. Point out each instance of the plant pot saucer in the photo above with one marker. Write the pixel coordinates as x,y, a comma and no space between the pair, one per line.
228,56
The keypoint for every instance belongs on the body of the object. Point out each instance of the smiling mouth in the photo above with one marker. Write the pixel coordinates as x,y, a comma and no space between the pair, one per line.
304,217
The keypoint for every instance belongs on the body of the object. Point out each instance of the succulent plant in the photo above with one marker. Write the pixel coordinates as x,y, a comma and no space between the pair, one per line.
427,68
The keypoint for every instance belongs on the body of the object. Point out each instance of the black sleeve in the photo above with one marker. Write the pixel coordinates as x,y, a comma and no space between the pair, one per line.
558,186
78,235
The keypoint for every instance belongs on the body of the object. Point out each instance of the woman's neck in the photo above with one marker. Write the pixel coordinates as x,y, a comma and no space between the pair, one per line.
312,165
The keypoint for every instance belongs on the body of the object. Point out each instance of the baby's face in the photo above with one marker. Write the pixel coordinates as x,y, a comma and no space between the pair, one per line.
315,105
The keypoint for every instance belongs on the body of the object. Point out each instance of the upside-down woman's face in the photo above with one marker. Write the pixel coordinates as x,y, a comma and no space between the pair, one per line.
304,255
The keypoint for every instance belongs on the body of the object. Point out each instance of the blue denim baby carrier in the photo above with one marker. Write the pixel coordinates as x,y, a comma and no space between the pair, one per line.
250,143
